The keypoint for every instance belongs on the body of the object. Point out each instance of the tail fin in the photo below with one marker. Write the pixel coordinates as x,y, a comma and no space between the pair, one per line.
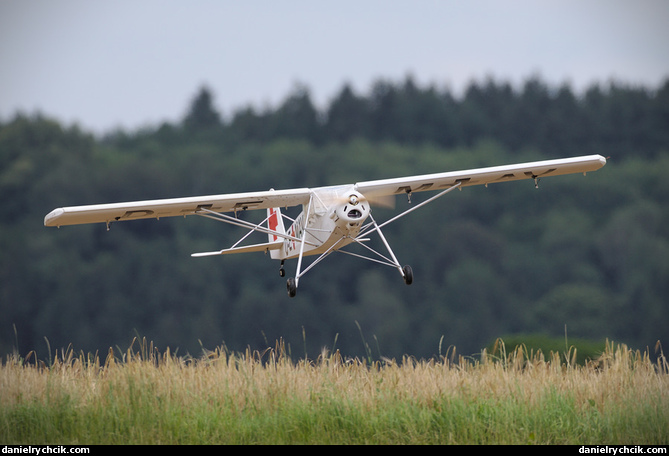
275,223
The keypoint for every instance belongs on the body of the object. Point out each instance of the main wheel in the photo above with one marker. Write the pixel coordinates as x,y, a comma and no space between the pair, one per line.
292,288
408,274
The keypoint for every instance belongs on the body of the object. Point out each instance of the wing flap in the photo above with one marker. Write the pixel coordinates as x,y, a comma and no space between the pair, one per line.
482,176
106,213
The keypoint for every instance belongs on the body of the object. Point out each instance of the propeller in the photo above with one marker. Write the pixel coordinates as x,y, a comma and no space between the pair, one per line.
387,201
354,198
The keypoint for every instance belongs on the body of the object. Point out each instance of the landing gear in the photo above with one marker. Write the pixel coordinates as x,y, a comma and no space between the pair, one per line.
282,272
407,272
291,287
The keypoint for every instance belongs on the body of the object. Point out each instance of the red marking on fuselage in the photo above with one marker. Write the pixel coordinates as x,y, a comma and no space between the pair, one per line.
273,222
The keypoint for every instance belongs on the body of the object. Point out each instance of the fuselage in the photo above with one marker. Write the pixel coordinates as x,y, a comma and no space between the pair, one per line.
331,220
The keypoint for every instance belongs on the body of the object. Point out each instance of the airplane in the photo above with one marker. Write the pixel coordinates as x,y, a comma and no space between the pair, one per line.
332,217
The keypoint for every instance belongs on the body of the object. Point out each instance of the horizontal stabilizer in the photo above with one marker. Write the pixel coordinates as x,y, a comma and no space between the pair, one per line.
244,249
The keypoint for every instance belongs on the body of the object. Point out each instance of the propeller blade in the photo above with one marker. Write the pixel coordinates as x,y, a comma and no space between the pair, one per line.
387,201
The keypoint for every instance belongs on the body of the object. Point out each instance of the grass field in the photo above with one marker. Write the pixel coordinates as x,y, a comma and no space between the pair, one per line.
142,396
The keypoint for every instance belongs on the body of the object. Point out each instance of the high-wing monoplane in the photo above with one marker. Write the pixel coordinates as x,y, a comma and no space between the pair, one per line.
332,217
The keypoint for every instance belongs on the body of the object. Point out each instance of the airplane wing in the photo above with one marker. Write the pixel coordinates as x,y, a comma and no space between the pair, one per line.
482,176
107,213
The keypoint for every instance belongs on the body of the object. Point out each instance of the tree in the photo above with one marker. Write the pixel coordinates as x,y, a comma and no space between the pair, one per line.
347,117
297,117
201,114
589,252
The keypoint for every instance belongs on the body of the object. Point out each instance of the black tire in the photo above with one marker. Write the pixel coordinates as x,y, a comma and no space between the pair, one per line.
292,288
408,274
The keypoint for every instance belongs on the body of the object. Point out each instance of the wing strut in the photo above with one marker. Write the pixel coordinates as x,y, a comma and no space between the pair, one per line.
203,212
405,271
429,200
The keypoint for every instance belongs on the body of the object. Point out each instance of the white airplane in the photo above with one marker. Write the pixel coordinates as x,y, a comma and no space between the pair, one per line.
332,217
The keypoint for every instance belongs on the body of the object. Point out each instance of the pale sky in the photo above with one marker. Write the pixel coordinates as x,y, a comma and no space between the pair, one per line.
135,63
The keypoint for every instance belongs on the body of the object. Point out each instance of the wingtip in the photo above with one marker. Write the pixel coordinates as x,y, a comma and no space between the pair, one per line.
52,217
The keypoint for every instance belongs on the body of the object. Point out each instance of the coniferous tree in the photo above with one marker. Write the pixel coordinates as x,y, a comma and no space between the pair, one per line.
347,116
201,114
297,117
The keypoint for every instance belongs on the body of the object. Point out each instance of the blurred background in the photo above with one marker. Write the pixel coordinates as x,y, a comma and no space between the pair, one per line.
156,99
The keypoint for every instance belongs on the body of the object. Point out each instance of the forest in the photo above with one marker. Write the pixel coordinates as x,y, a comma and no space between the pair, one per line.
579,257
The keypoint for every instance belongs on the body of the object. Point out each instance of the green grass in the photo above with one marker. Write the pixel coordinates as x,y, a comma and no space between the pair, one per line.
143,397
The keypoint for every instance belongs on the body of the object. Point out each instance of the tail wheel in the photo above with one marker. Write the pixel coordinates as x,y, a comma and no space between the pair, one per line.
292,288
407,272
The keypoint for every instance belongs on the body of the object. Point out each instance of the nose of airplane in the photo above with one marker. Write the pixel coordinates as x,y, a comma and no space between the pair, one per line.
353,210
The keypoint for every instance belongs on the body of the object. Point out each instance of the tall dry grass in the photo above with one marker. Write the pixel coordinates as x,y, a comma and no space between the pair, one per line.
144,396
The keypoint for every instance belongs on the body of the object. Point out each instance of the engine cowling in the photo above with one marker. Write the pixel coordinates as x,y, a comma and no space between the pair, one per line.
352,212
